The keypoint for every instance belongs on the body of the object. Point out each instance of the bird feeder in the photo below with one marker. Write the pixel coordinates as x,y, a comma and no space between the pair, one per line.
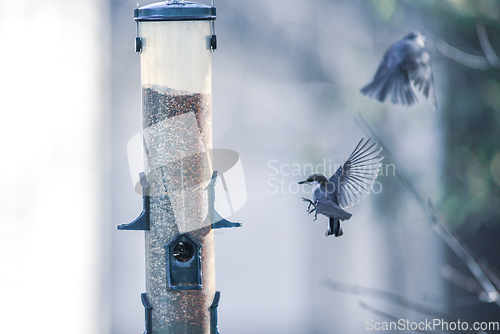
175,40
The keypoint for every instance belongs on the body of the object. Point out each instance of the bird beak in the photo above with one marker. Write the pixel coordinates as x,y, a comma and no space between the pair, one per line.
302,182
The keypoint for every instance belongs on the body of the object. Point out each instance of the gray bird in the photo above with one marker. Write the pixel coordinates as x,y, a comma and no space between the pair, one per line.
406,61
350,184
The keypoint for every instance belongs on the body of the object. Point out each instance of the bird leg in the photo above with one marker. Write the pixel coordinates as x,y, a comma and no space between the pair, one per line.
310,203
309,210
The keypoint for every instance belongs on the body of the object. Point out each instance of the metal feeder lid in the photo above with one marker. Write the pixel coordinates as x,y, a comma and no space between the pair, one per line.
175,11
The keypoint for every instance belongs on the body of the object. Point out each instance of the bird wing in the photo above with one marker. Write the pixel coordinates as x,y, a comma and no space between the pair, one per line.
328,208
423,79
354,179
391,79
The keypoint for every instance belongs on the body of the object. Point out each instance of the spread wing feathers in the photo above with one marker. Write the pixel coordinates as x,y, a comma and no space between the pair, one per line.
423,79
354,179
328,208
391,79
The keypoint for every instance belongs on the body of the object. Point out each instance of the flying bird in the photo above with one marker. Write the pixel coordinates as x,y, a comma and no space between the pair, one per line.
349,185
405,62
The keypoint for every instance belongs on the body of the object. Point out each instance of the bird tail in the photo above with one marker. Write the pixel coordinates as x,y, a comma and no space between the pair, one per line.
334,228
386,83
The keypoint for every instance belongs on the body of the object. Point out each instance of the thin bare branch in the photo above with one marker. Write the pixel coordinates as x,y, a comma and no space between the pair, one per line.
491,272
463,58
475,62
486,45
444,230
385,295
461,280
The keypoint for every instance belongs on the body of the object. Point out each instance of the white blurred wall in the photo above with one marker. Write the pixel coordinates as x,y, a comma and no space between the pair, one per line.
54,106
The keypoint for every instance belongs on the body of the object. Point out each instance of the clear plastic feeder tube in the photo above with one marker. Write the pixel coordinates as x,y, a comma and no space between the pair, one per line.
176,81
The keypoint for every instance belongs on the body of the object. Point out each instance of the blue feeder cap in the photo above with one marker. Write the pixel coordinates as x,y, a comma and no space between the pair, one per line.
175,11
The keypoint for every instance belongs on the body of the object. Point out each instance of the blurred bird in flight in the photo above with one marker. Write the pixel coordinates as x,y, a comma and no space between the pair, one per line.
350,184
405,62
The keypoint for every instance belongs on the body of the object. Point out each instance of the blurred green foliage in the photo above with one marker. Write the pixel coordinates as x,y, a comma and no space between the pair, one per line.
471,118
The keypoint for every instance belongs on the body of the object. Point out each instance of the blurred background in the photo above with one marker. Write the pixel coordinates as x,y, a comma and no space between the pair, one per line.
286,80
